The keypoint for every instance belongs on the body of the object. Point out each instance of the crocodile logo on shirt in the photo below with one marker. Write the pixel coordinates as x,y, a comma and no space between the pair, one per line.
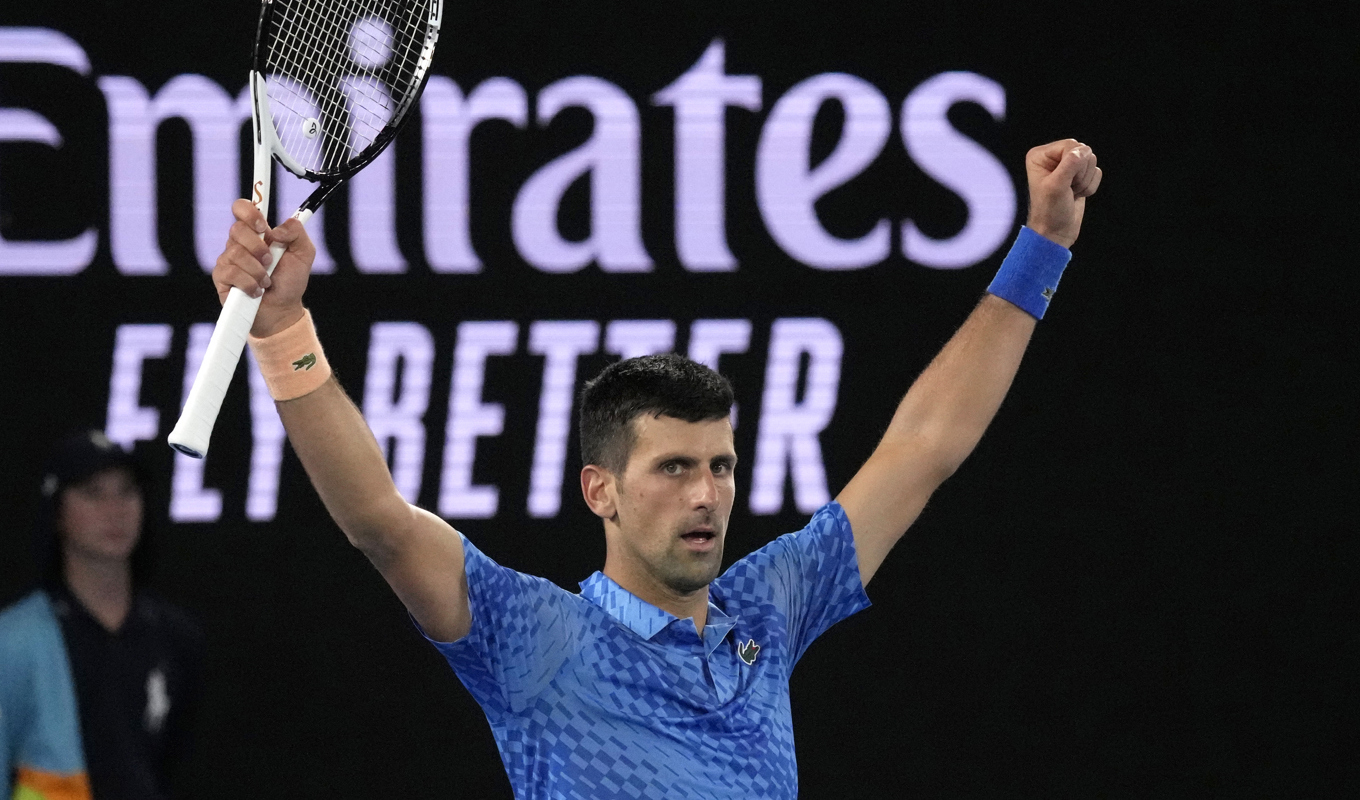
306,362
748,652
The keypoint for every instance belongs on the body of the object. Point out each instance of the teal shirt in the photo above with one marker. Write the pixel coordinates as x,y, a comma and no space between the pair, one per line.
39,723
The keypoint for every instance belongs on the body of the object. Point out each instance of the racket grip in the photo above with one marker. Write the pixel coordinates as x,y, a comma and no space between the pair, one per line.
196,420
199,415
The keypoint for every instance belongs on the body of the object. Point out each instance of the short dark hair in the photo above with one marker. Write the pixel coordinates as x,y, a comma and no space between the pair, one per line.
662,385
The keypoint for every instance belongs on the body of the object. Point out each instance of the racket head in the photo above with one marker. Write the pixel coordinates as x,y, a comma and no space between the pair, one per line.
333,80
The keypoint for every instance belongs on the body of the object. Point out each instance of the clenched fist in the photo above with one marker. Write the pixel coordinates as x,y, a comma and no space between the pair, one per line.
1062,175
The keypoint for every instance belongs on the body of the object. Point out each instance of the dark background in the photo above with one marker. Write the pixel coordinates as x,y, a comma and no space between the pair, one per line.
1141,583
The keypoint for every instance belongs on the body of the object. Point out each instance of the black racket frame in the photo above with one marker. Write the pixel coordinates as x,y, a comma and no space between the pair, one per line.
329,180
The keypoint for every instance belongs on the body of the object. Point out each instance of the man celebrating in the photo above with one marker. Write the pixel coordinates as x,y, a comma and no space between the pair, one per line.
661,678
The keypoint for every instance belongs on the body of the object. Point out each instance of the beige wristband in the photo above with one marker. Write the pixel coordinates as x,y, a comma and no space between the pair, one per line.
291,360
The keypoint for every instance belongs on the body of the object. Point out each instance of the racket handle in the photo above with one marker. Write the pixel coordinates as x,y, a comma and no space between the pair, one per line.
196,420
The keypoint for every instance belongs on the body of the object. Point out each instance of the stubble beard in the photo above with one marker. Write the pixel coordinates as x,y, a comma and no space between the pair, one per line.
687,581
685,572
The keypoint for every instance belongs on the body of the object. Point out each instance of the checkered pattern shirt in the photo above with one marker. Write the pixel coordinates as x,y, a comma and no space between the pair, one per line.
601,695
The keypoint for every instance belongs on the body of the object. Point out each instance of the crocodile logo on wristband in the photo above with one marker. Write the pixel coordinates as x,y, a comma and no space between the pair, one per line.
306,362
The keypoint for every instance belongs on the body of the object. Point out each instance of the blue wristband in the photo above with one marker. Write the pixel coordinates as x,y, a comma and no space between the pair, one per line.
1029,275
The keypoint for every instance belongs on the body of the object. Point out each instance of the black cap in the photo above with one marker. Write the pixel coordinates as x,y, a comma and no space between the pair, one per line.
74,460
80,456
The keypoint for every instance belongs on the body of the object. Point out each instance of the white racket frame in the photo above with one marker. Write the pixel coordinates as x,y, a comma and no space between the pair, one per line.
196,420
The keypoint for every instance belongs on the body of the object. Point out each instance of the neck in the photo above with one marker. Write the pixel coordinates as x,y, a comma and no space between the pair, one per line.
103,587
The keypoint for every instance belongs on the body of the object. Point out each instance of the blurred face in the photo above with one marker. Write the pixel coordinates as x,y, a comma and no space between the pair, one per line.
100,519
673,502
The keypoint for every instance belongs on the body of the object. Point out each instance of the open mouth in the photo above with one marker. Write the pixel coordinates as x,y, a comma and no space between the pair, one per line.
701,539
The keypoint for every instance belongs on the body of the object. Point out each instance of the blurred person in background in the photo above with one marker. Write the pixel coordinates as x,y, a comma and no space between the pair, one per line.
99,677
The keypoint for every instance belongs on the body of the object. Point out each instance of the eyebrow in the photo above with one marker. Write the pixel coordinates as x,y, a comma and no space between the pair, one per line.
729,459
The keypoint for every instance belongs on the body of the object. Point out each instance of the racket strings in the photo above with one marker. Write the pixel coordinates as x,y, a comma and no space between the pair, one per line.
340,71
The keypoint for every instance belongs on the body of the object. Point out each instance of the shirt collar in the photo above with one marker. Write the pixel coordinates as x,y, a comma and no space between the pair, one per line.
643,618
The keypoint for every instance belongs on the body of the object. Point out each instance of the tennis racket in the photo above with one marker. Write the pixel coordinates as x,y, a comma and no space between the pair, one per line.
330,85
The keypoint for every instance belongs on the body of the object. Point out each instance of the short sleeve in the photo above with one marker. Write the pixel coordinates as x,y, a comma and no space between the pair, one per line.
523,629
812,577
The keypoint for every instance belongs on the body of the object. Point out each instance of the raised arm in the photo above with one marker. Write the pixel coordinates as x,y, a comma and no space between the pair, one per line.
948,407
418,553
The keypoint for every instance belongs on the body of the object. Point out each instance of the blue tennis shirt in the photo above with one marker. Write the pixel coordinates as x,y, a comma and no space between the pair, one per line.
602,695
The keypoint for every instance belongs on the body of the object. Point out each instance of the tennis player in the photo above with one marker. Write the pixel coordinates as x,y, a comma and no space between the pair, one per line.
662,678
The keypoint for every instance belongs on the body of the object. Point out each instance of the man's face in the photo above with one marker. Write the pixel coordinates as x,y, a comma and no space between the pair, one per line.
673,501
101,517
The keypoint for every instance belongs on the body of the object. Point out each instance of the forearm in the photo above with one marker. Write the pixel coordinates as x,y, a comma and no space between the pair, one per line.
948,408
937,424
950,405
346,467
944,414
418,553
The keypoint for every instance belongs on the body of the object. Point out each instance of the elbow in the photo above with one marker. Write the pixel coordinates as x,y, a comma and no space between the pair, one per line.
947,459
378,527
944,468
941,467
945,445
936,444
935,458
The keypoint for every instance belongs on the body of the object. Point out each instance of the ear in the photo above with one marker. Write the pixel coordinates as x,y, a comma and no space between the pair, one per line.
597,487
